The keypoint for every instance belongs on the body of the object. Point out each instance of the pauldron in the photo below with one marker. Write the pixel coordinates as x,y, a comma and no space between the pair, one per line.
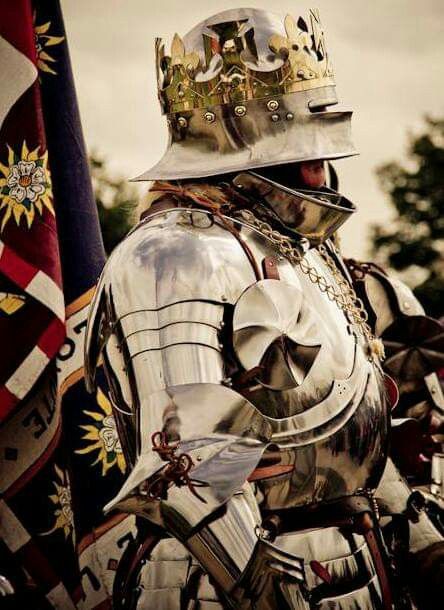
414,348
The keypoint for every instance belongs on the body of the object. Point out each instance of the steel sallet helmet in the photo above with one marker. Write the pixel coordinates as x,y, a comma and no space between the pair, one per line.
246,89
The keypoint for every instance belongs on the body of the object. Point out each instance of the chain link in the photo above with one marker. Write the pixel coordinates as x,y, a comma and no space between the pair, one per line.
343,296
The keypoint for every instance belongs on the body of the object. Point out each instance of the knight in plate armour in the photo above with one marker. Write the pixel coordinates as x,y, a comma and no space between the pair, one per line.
244,354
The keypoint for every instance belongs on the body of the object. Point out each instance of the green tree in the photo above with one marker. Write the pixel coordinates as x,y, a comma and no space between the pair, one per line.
116,200
416,236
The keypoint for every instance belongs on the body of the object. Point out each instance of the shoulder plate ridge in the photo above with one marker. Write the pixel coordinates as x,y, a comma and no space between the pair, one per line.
175,256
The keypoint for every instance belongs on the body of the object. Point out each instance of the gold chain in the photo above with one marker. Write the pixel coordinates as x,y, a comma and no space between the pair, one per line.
344,296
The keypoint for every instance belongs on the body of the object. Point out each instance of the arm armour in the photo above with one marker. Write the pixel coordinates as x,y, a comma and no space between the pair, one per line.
158,321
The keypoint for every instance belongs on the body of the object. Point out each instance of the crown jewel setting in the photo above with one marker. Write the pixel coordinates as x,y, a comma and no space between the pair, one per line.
233,68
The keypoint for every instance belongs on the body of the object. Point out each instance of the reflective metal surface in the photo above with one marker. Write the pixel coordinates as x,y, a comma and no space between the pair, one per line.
387,298
228,544
246,89
218,428
414,346
313,215
181,319
393,495
272,579
234,143
275,329
437,486
169,270
171,573
250,571
167,295
347,560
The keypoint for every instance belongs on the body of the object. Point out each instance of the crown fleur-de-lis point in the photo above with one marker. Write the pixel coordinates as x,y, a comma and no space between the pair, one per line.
296,35
190,61
297,46
177,50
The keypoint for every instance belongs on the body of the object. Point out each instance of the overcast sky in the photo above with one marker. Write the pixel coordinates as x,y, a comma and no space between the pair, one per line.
387,55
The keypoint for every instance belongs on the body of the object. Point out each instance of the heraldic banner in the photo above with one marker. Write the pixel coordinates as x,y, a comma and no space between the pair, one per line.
60,458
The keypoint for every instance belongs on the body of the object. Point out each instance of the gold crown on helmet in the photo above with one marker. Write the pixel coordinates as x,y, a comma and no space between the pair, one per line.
234,69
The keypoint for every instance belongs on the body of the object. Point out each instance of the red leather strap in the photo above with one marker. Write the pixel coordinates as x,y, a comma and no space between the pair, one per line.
269,268
365,526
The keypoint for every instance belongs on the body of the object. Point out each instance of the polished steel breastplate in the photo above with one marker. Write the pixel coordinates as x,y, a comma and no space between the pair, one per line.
181,306
321,392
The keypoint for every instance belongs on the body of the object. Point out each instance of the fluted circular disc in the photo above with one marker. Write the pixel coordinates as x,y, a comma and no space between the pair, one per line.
414,347
273,328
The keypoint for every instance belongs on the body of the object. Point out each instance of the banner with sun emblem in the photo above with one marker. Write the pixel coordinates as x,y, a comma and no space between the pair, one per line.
30,268
101,436
60,456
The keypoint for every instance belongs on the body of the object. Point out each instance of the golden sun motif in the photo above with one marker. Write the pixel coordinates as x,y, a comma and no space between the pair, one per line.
64,517
42,41
102,436
25,186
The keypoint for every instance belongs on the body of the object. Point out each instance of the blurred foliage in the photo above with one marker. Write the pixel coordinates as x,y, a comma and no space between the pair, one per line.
416,237
116,200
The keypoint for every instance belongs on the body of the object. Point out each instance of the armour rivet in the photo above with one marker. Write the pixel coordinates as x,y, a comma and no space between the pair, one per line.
210,117
240,111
